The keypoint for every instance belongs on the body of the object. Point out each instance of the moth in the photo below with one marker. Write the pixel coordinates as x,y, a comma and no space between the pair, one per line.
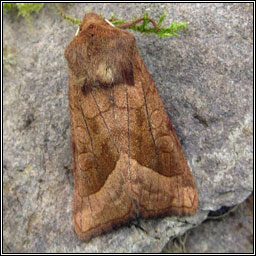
128,161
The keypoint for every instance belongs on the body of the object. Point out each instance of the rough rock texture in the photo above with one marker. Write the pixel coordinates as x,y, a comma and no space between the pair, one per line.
205,78
230,234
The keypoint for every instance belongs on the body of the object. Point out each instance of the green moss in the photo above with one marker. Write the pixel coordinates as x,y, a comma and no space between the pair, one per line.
171,30
8,6
66,17
25,9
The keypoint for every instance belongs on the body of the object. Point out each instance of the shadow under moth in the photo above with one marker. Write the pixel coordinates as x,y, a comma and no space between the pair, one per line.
128,161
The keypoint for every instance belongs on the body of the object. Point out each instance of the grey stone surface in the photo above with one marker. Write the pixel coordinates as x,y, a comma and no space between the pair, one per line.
205,78
232,233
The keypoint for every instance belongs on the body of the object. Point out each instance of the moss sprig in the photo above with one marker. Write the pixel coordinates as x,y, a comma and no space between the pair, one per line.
171,30
66,17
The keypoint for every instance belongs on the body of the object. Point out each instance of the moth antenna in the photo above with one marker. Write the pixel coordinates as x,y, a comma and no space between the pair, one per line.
110,23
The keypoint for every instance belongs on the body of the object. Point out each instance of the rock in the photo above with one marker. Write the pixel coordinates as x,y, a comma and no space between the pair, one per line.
230,230
205,78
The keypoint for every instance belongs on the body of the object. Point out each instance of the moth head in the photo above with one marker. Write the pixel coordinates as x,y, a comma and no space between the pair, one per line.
100,54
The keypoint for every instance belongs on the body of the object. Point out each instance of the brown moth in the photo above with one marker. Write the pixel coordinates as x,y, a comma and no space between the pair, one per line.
128,161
